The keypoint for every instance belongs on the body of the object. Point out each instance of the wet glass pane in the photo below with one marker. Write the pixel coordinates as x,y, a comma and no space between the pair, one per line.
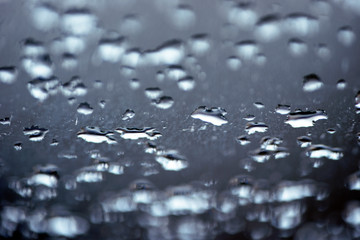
180,119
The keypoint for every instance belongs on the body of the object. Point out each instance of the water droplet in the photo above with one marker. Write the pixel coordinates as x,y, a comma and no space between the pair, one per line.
134,83
175,72
199,44
138,133
341,84
323,151
270,143
128,114
88,175
249,117
247,50
78,22
233,63
254,127
5,121
268,28
35,133
171,160
352,213
66,226
45,17
153,92
331,130
297,47
353,181
242,16
42,88
164,102
74,88
214,115
301,24
261,155
305,119
312,83
323,51
84,108
304,141
111,48
243,140
95,135
131,24
282,109
8,75
259,105
357,100
169,53
69,61
287,216
18,146
346,36
186,83
183,17
39,67
102,103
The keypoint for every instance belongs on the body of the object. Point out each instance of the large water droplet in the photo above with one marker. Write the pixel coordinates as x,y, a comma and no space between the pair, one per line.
323,151
138,133
312,83
95,135
214,115
305,119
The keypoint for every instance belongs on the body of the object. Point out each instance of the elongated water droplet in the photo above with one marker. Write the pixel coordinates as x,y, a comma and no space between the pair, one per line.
254,127
35,133
305,119
138,133
312,83
214,115
95,135
323,151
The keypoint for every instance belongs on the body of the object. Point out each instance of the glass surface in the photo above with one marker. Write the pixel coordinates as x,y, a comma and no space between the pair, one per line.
179,119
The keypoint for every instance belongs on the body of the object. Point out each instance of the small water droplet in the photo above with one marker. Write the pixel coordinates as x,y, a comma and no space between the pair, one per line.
171,160
346,36
128,114
214,115
5,121
35,133
18,146
153,92
297,47
249,117
312,82
78,22
341,84
186,83
8,75
254,127
243,140
74,88
304,141
233,63
85,109
164,102
259,105
282,109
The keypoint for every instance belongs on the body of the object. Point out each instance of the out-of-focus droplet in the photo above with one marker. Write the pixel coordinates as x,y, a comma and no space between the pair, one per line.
186,83
78,22
95,135
42,88
170,53
171,160
128,114
301,24
199,44
66,226
102,103
341,84
287,216
183,17
243,140
74,88
130,25
297,47
254,127
40,67
85,108
247,50
357,101
323,51
164,102
45,17
153,92
351,214
323,151
242,16
305,119
134,83
304,141
8,75
138,133
346,36
312,82
69,61
268,28
353,181
35,133
331,130
214,115
282,109
233,63
112,48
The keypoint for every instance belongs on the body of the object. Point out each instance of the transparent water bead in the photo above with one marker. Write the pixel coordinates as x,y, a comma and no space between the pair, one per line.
305,119
323,151
138,133
95,135
78,22
43,88
128,114
214,115
85,108
312,82
8,74
171,160
35,133
254,127
164,102
346,36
